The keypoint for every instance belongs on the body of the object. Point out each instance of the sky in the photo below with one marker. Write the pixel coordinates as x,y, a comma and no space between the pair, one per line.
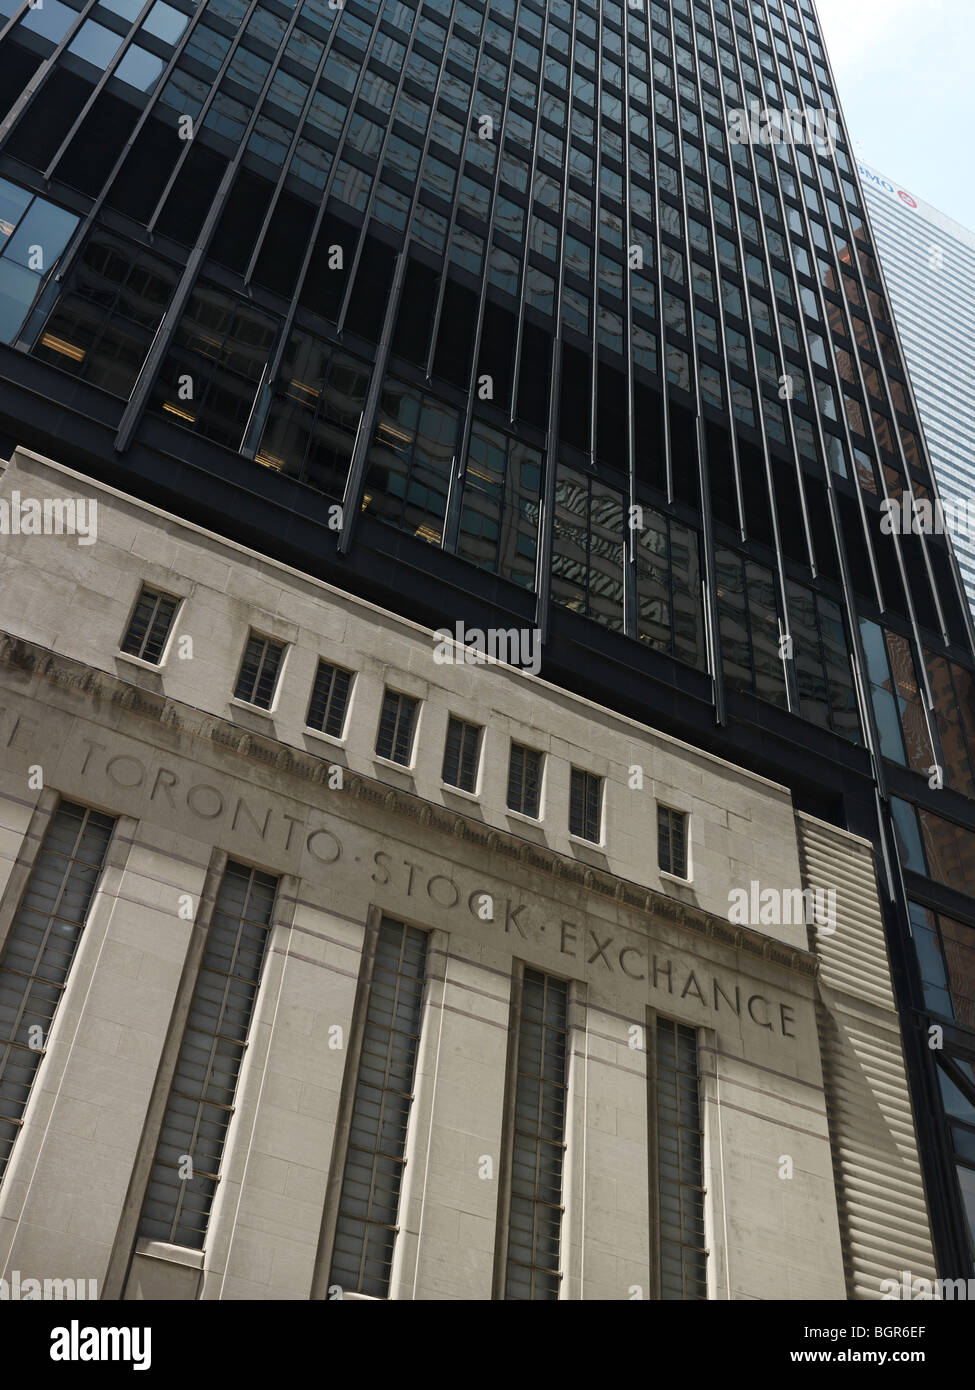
905,73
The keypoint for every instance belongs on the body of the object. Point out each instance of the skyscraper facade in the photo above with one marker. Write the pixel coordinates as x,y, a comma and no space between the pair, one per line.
527,318
928,262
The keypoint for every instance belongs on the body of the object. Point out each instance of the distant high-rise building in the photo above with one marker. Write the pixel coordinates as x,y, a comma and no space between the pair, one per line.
928,261
556,325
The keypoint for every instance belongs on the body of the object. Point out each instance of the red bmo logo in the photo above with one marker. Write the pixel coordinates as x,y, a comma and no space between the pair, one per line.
906,198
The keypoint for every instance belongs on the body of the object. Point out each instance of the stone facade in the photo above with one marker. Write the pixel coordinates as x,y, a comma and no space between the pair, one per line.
796,1026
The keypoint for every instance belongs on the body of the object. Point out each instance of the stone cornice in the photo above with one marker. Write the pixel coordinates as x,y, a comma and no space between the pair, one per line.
65,673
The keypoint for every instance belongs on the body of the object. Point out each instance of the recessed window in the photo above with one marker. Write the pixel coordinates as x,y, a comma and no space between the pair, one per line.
368,1206
259,670
461,754
680,1167
39,951
329,699
396,724
149,625
524,780
533,1263
672,841
204,1086
584,797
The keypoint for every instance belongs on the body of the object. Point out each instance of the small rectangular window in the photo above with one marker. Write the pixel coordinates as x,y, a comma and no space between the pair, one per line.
329,699
461,754
525,780
259,670
396,724
584,798
672,841
149,625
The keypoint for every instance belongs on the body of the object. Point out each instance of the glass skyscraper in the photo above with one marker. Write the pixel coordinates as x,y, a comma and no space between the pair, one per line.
928,261
489,313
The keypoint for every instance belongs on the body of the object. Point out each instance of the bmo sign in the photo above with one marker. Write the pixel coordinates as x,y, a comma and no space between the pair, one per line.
870,177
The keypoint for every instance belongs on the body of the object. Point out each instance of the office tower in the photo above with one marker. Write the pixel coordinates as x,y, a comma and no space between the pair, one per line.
506,318
928,262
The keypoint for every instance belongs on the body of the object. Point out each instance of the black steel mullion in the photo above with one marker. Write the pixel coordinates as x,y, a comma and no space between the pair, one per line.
299,127
8,26
455,486
42,72
166,331
81,234
746,295
452,220
631,622
367,421
532,170
109,72
208,101
596,226
861,680
547,491
800,312
836,381
712,625
785,630
415,199
264,395
655,155
860,279
838,533
848,317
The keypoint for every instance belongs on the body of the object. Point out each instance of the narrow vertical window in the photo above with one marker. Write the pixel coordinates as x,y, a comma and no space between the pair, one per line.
672,841
396,724
186,1168
259,671
541,1070
39,950
680,1164
149,625
461,754
524,780
585,793
329,699
366,1226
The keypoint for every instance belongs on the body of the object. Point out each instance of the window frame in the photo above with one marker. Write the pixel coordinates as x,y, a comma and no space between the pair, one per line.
537,815
685,822
177,601
411,749
269,642
576,772
320,729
